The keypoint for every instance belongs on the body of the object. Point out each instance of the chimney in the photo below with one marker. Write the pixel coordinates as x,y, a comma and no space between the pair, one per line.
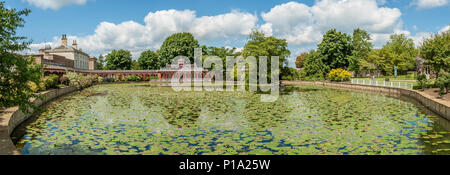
75,45
64,40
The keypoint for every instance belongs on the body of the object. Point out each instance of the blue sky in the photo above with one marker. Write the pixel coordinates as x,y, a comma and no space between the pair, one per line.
102,25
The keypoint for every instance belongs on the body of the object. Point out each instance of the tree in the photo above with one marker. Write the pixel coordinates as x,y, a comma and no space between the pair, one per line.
135,65
221,52
16,72
336,47
261,45
314,68
402,50
436,50
149,60
119,60
99,64
361,49
178,44
382,59
299,60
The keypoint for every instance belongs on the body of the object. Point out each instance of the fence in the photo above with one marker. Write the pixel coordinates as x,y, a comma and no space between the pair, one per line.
383,83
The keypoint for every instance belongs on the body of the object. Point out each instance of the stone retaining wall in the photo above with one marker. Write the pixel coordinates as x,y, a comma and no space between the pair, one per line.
425,99
12,117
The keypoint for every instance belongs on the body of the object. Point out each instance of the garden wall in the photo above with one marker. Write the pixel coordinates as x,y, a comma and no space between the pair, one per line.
12,117
425,99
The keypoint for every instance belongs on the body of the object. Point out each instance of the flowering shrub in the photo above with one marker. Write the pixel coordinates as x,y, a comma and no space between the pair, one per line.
100,79
339,75
79,80
33,86
50,81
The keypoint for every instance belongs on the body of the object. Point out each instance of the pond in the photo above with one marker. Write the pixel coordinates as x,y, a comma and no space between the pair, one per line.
144,119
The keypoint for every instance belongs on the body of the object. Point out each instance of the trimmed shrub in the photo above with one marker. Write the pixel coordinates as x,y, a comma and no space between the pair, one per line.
443,83
133,78
421,81
339,75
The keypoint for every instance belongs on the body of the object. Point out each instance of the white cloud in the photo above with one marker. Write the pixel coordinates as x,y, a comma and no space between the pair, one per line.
424,4
157,26
300,24
444,29
54,4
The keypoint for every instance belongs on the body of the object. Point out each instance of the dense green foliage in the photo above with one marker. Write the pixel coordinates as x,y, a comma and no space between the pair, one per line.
361,49
16,72
135,65
119,60
50,81
436,50
178,44
402,53
398,51
339,50
288,73
299,60
314,68
443,83
133,78
421,81
336,47
260,45
100,63
149,60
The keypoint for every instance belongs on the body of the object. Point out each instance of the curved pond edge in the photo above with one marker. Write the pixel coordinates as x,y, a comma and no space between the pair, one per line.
10,118
431,103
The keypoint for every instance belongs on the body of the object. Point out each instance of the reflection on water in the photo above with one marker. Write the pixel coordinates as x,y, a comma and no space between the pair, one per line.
141,119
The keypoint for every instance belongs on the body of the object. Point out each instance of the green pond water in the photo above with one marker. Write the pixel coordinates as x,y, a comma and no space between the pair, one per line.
145,119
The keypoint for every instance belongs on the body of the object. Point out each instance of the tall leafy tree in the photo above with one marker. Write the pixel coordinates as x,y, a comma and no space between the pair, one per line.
16,72
436,50
135,65
221,52
178,44
119,60
314,67
261,45
381,60
336,47
403,52
361,49
300,59
149,60
99,64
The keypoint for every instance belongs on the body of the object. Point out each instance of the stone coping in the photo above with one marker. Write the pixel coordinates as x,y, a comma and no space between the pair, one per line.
10,118
438,106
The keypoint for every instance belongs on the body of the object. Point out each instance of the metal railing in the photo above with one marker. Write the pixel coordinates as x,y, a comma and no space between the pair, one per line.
383,83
